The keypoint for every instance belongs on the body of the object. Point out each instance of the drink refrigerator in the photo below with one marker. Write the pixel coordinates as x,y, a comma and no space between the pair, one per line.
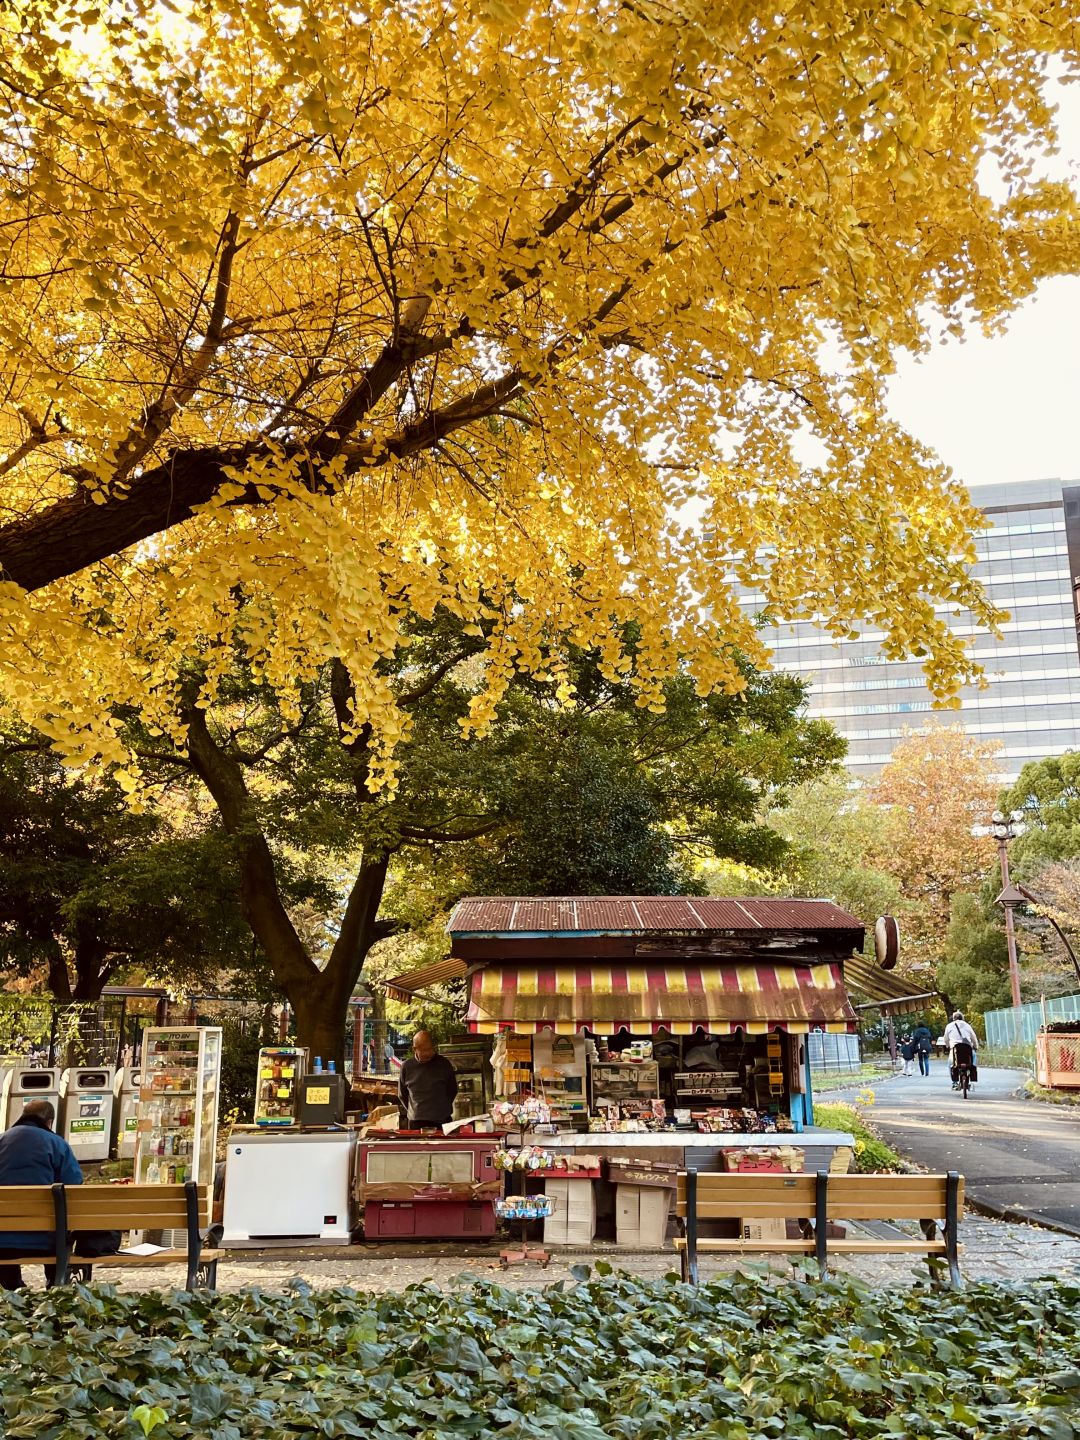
277,1085
178,1105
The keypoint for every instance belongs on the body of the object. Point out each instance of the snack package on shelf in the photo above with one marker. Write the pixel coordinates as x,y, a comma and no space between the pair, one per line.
785,1159
525,1207
537,1157
522,1115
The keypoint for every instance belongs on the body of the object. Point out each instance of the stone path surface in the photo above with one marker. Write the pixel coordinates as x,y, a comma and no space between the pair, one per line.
1020,1159
993,1250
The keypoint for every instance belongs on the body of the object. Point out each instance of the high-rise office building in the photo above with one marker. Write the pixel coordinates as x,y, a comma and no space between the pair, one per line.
1029,562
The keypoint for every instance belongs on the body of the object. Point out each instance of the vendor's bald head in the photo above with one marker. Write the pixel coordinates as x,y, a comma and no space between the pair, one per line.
423,1046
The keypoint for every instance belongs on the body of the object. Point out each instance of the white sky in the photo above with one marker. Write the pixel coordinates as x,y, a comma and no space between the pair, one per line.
1007,408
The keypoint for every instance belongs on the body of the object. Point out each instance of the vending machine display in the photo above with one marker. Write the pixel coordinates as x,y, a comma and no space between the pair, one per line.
178,1105
278,1084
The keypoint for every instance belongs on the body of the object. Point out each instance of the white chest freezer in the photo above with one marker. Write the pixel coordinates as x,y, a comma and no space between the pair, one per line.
284,1189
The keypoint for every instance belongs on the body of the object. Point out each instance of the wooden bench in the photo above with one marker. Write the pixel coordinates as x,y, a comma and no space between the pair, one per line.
63,1209
814,1201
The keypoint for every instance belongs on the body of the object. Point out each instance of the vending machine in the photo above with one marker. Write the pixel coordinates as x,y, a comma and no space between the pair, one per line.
86,1109
126,1085
178,1105
277,1085
24,1083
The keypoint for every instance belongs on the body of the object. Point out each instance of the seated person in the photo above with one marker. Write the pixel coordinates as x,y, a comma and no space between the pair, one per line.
31,1154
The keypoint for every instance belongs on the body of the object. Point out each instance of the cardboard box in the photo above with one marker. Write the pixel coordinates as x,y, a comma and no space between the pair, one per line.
574,1220
785,1159
641,1216
622,1170
774,1229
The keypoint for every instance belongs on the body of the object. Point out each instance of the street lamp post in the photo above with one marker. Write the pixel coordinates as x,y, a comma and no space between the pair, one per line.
1005,828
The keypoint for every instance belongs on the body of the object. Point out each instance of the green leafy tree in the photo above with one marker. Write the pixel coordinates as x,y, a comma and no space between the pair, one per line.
583,791
88,887
974,968
1048,792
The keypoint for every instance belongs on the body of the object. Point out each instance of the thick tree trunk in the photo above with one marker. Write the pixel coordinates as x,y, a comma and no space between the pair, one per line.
321,1016
319,998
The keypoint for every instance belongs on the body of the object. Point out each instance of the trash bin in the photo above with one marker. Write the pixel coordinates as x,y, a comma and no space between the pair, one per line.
24,1083
86,1094
125,1128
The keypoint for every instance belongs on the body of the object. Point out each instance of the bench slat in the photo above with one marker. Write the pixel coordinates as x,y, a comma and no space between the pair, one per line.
723,1183
779,1247
928,1199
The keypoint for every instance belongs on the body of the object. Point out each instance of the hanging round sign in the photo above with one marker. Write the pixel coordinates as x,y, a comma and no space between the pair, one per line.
887,941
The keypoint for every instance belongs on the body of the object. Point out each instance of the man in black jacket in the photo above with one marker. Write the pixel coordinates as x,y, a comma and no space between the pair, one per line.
31,1154
426,1087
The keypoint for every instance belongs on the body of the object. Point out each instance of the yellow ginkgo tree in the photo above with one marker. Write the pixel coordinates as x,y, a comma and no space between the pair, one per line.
557,316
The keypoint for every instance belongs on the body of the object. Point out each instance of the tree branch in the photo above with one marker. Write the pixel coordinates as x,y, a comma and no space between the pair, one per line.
259,892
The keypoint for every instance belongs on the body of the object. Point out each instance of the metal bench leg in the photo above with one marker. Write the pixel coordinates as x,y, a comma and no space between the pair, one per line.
63,1249
821,1222
690,1261
194,1238
952,1226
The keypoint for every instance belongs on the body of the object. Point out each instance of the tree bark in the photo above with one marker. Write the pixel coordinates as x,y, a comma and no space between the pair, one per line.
319,998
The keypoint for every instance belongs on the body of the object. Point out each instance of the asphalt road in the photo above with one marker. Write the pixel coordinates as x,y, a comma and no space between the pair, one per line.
1020,1158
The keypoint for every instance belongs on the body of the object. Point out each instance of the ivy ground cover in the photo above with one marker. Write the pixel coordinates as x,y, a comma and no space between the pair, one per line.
743,1358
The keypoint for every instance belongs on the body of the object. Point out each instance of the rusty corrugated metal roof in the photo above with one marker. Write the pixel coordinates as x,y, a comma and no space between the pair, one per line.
607,914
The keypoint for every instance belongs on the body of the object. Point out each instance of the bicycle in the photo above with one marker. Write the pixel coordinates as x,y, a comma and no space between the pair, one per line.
963,1068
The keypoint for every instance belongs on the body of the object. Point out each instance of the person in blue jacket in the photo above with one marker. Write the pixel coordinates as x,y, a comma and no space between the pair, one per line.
31,1154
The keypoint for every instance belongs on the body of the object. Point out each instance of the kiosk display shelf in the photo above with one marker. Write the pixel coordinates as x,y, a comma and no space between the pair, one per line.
178,1105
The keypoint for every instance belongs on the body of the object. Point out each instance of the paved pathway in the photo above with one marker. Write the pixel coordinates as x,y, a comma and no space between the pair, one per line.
993,1250
1020,1157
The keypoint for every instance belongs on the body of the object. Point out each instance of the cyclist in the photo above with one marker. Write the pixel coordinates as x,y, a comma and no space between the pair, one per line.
960,1036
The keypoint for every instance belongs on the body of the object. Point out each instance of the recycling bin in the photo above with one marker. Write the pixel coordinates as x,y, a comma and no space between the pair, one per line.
125,1127
24,1083
86,1110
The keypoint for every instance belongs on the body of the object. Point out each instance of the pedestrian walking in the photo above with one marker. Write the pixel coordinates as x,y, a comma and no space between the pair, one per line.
907,1051
924,1044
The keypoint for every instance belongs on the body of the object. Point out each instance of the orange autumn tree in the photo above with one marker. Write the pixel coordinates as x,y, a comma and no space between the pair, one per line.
314,317
322,323
939,784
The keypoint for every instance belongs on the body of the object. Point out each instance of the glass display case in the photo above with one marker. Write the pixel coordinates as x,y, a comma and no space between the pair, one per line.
472,1065
178,1105
616,1083
277,1079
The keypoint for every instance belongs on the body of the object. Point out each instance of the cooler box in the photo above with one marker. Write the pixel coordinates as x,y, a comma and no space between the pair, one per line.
321,1098
574,1220
283,1188
641,1216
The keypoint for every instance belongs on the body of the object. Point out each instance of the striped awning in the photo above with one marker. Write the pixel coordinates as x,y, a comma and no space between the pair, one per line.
408,986
645,999
894,994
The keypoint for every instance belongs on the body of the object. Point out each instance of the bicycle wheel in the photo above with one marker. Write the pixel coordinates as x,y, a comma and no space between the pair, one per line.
965,1081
